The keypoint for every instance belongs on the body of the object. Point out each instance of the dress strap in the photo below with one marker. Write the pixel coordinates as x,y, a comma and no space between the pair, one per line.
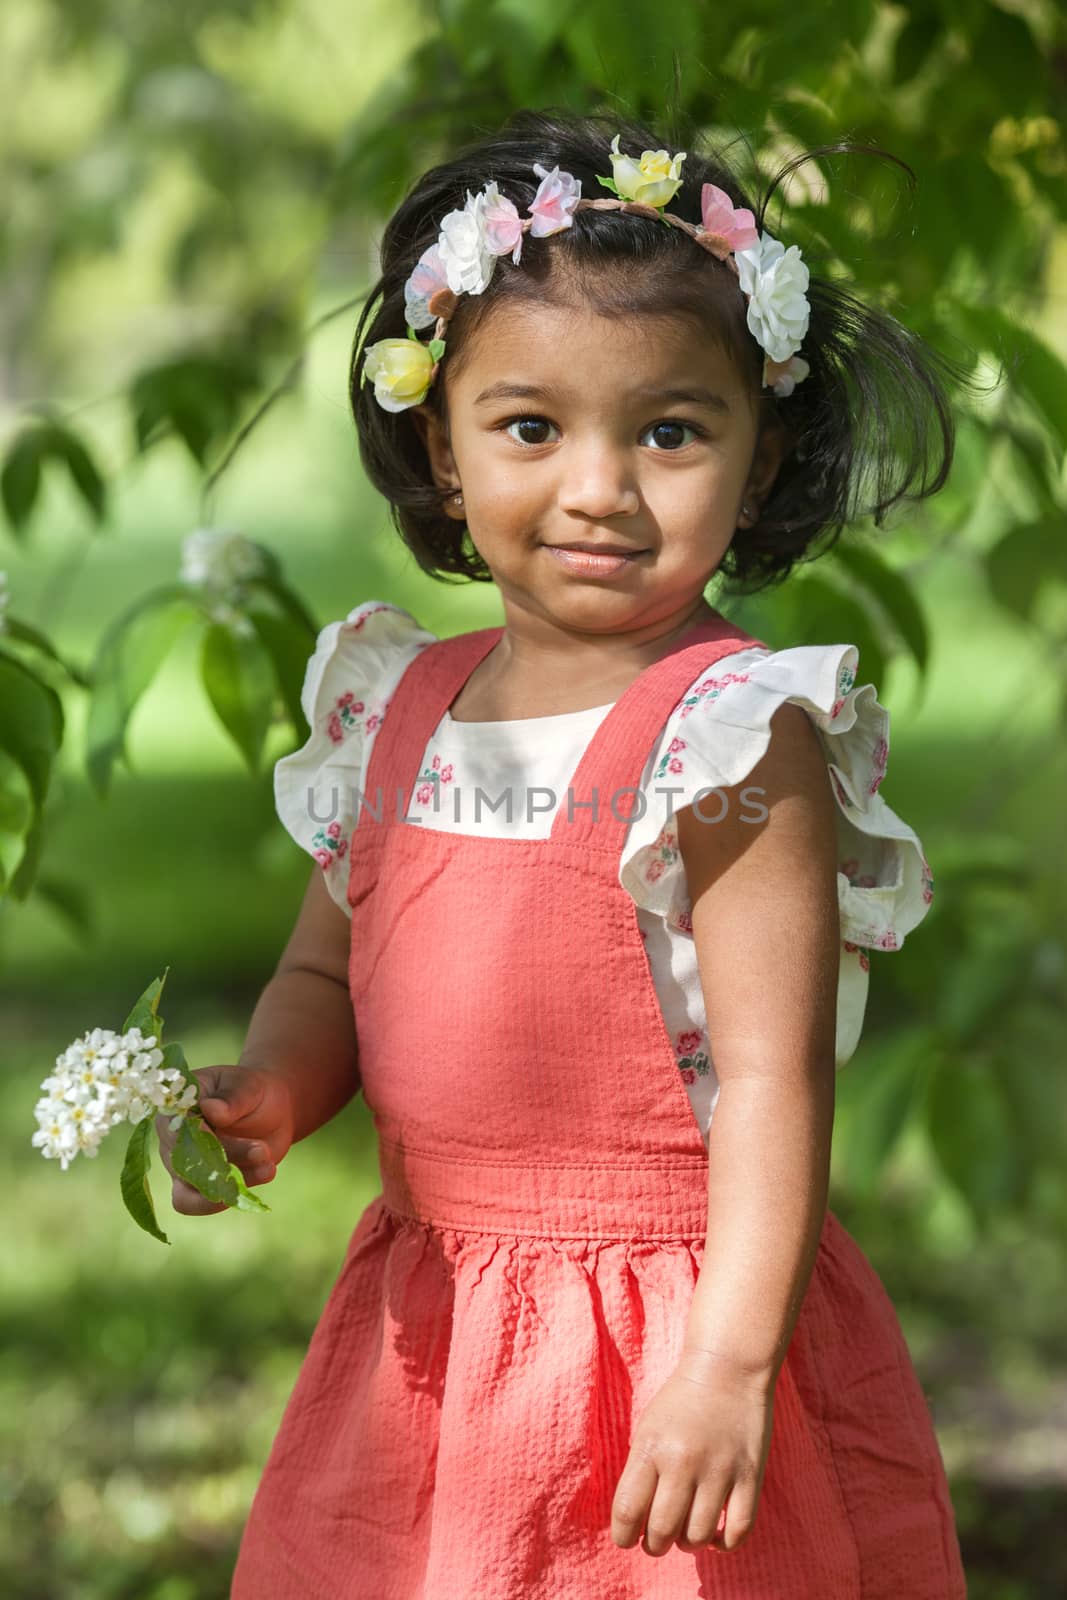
427,687
603,792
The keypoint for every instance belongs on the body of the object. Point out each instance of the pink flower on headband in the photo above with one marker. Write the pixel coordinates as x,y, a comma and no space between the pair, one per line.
735,225
423,284
553,204
501,224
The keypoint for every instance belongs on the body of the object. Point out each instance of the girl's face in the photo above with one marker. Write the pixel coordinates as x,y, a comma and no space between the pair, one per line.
637,436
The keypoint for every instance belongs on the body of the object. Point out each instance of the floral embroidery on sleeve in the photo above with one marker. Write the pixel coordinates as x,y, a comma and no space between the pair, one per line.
428,781
327,845
692,1060
710,689
865,960
669,761
344,716
845,679
665,852
880,757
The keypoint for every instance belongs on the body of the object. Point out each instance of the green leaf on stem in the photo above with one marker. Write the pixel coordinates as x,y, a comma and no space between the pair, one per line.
199,1158
135,1190
145,1013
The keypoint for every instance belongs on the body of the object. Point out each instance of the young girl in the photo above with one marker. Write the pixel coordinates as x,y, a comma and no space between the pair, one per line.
587,924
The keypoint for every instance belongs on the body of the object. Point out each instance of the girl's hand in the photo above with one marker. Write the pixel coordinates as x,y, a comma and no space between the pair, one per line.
703,1440
251,1113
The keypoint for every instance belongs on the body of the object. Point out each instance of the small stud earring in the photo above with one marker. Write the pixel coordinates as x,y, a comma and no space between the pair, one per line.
458,498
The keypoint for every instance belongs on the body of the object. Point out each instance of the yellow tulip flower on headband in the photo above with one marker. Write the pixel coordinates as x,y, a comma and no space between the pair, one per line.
462,260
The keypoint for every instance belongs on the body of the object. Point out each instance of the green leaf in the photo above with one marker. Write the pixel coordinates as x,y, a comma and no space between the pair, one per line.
25,874
16,817
287,599
1032,366
20,479
25,633
879,1091
288,645
436,348
127,659
893,592
136,1193
145,1013
247,1199
70,901
197,396
1020,564
82,469
31,724
199,1158
970,1130
239,680
174,1056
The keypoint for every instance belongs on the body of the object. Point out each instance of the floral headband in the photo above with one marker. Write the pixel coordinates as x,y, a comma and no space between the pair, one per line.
771,278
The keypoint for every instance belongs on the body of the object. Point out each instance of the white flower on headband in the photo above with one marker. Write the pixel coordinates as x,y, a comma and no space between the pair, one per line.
464,248
775,279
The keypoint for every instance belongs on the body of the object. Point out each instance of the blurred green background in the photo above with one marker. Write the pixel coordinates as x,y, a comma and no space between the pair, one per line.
191,192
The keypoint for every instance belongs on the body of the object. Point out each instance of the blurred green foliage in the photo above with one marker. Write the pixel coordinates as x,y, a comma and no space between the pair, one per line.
194,195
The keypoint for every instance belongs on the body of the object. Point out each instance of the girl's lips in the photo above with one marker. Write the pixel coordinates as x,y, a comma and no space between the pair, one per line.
590,565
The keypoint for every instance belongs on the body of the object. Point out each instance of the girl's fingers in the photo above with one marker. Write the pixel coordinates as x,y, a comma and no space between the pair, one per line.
704,1521
633,1496
668,1513
740,1515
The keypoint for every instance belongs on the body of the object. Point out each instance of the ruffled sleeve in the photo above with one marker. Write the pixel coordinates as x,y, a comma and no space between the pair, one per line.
714,737
348,681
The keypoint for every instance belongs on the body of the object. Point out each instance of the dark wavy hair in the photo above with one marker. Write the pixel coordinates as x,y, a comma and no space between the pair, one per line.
871,425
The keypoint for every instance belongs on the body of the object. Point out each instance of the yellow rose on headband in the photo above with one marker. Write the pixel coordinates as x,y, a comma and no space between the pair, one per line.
401,371
654,180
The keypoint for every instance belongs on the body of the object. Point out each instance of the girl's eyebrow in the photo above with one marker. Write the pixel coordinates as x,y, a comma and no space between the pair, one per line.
697,395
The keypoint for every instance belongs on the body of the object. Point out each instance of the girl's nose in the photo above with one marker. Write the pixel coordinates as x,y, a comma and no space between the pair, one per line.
598,482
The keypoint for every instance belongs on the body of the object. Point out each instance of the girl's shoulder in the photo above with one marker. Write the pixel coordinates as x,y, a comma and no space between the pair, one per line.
348,681
718,731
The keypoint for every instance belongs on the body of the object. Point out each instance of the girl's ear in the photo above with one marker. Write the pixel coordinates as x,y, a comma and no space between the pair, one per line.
772,444
442,461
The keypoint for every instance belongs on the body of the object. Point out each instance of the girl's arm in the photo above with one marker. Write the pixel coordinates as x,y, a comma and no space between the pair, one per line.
763,887
303,1026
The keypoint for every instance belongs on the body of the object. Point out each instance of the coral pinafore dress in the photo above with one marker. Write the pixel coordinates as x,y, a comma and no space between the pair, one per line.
519,1291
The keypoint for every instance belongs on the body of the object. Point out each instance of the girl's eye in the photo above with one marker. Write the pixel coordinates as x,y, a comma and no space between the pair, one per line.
672,426
526,421
675,425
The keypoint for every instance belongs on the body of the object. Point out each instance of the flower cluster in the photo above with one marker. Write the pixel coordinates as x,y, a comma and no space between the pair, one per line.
100,1080
463,258
219,561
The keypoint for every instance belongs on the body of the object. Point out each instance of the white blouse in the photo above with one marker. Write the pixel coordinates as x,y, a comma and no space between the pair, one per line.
714,736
